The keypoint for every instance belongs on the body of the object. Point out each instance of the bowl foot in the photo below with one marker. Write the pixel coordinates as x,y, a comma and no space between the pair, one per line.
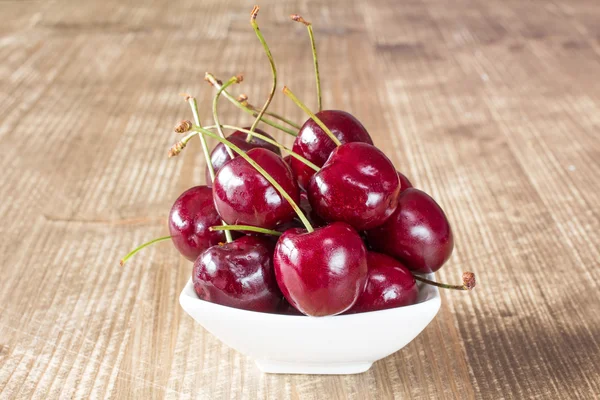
283,367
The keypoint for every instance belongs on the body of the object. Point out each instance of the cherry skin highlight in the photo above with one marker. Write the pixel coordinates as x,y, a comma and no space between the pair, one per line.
238,274
418,233
389,284
219,156
242,196
313,143
357,185
322,272
190,217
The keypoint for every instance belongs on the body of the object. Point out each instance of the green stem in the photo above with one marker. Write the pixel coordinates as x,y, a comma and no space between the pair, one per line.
231,81
276,116
265,174
134,251
268,140
316,62
211,171
210,78
291,95
248,228
313,46
262,40
441,285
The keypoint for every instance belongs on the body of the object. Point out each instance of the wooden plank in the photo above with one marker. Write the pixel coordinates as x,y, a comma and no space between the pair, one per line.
491,107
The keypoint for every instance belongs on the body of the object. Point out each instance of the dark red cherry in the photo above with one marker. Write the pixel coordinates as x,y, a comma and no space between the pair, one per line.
314,144
288,160
190,217
418,233
389,284
357,185
238,274
404,182
322,272
219,155
243,196
286,308
312,216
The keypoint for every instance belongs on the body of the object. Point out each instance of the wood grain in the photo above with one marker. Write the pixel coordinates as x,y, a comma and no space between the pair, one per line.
492,107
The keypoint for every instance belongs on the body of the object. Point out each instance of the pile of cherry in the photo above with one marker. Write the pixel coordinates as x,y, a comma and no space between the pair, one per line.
331,228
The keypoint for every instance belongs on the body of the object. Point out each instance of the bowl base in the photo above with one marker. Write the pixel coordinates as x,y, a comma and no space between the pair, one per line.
282,367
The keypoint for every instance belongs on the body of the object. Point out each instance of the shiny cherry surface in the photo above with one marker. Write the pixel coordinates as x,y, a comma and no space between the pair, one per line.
219,156
314,144
418,233
243,196
190,217
389,284
323,272
238,274
358,185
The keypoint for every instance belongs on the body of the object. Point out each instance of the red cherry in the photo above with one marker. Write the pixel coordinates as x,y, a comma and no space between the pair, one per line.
287,309
316,146
219,156
322,272
238,274
243,196
389,284
418,233
357,185
404,182
190,217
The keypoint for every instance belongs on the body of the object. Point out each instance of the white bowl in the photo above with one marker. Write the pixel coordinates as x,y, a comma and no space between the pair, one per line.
289,344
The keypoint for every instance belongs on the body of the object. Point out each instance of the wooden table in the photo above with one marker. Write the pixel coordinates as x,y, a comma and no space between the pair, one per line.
493,107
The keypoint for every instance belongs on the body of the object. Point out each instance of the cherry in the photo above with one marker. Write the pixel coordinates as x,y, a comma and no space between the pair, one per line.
288,160
418,233
312,216
389,284
287,309
243,196
191,216
238,274
357,185
314,144
404,182
321,272
219,156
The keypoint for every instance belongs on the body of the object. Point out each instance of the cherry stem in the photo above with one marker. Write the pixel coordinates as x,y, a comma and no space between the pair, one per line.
215,82
468,282
134,251
247,228
194,106
262,40
291,95
271,141
265,174
311,35
211,171
231,81
271,114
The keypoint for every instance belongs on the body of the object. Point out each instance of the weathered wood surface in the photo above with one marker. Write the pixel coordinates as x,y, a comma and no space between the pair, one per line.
493,107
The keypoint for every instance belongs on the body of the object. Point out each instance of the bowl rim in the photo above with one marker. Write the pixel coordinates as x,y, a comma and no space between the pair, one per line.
188,296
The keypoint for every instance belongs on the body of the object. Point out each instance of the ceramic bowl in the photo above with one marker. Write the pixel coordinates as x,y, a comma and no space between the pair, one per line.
289,344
